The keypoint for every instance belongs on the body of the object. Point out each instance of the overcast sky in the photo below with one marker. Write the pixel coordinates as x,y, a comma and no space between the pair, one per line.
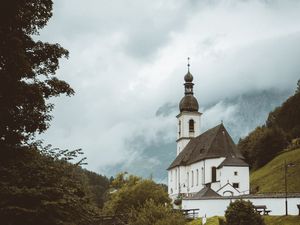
128,58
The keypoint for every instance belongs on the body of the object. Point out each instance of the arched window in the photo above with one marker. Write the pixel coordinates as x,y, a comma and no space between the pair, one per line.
179,127
197,177
188,179
191,125
203,175
213,174
176,181
192,178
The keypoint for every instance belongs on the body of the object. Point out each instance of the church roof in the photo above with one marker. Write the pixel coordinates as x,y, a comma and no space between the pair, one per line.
233,162
214,143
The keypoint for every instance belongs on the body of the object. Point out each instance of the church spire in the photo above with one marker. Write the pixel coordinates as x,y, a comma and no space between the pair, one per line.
188,102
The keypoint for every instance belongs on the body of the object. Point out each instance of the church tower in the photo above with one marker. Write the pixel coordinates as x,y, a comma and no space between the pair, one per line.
189,117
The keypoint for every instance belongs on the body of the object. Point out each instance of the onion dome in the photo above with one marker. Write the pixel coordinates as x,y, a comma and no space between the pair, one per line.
189,103
188,77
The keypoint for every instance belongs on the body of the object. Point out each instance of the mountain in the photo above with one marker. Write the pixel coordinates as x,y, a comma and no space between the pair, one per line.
240,114
273,173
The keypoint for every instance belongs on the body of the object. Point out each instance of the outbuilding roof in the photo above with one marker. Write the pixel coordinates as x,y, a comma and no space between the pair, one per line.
206,192
214,143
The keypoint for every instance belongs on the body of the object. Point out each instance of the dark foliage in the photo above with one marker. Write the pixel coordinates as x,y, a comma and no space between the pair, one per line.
38,189
98,186
287,117
262,145
27,69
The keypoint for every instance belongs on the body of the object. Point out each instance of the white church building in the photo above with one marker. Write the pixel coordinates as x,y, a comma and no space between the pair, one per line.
209,171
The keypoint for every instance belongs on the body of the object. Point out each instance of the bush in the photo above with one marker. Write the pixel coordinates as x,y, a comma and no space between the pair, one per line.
242,212
133,193
221,221
156,214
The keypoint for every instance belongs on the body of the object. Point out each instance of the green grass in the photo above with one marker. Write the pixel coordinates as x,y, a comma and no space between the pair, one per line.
269,220
282,220
210,221
270,178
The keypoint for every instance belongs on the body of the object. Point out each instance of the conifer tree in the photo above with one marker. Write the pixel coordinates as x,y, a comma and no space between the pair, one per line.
27,71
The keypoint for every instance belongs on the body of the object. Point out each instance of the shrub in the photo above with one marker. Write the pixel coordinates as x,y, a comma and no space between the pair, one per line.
242,212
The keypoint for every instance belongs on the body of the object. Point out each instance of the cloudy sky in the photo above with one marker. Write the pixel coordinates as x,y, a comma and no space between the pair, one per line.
128,59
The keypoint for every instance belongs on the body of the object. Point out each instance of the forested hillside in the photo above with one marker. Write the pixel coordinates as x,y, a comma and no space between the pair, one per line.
281,130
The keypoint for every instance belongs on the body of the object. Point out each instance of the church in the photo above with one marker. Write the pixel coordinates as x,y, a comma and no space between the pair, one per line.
209,172
207,163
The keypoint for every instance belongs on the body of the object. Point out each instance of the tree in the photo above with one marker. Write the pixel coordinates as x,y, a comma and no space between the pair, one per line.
37,188
142,201
287,117
133,194
152,213
242,212
27,71
261,145
98,186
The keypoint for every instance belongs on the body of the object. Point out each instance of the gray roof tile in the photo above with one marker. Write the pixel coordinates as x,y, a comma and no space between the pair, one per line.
214,143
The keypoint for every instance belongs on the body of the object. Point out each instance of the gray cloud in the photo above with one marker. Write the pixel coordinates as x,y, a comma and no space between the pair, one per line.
128,58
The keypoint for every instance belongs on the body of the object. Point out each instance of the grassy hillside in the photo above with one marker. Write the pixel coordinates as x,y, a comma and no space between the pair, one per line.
269,220
282,220
270,178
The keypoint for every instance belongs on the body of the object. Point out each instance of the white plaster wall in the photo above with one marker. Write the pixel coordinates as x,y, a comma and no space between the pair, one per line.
209,163
242,177
204,176
183,129
215,186
217,207
192,169
185,117
173,182
228,190
212,207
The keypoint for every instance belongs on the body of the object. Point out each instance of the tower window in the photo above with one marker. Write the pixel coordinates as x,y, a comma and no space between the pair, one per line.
235,173
236,185
191,126
179,127
213,174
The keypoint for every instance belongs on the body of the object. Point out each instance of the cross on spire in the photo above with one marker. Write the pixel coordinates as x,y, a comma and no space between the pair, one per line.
188,65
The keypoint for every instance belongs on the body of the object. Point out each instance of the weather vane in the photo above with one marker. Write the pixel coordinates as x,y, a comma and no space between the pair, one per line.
188,64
